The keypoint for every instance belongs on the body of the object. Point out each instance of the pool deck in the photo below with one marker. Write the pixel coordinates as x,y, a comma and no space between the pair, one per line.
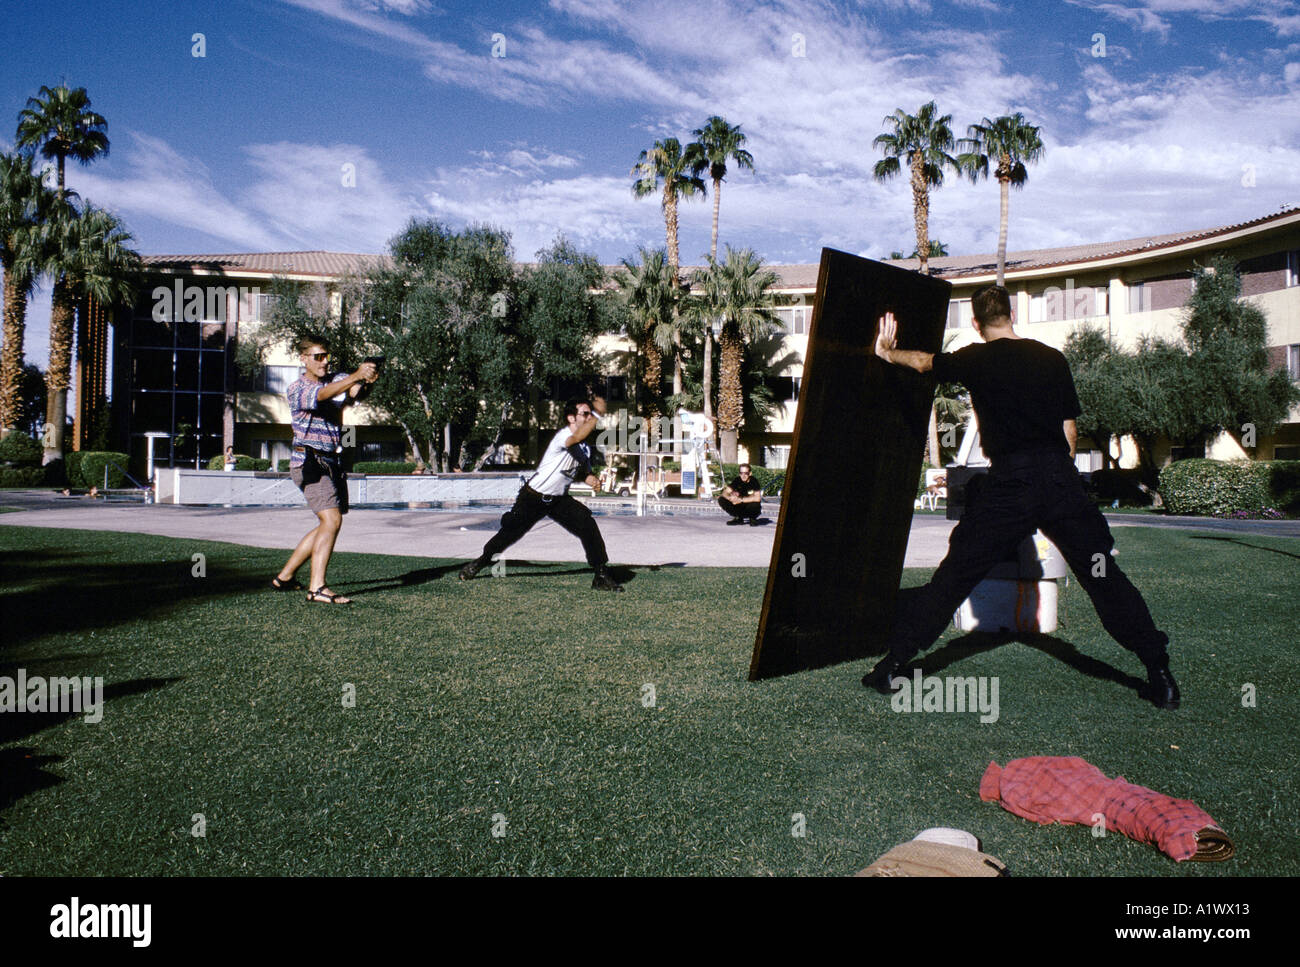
694,539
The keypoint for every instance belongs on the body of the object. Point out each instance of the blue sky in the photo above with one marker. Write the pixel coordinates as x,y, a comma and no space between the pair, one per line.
1190,119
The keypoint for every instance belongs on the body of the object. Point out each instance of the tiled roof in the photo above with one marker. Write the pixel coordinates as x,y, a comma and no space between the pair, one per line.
957,266
798,276
327,264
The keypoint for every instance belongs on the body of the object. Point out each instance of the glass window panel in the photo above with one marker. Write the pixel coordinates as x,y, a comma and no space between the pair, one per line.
187,409
211,409
151,413
146,332
151,369
187,370
213,366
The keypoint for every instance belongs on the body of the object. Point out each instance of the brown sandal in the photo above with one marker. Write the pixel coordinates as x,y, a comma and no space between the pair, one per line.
321,596
289,585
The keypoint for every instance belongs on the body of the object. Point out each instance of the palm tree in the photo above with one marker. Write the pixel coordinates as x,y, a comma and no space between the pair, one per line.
86,254
648,292
667,163
925,141
736,291
1009,141
937,250
715,144
24,203
60,125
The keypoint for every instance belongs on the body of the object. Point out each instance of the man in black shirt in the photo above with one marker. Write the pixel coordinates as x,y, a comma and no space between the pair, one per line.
1025,403
742,498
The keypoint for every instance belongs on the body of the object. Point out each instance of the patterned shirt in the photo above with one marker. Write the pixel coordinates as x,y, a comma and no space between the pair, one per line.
316,423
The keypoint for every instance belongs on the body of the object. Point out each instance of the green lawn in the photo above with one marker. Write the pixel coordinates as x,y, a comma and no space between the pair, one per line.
522,699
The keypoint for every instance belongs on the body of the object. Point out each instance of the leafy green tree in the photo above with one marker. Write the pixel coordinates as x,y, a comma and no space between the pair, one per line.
1101,379
1227,340
737,291
562,314
924,140
1008,142
24,205
444,316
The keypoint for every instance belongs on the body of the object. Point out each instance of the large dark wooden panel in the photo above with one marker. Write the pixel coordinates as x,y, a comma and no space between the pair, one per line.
859,438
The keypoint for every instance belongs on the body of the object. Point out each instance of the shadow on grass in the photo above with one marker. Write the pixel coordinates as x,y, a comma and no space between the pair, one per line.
72,591
1063,651
1238,540
22,769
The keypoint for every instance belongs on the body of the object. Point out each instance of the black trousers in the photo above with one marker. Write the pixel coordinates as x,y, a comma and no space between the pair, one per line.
530,507
1023,492
744,510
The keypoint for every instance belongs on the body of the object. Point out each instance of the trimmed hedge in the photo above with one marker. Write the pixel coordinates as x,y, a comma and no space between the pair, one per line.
93,464
20,450
772,481
242,462
382,468
1217,488
22,476
72,468
282,466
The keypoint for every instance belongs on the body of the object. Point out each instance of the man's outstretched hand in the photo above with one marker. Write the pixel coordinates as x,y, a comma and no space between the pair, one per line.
886,336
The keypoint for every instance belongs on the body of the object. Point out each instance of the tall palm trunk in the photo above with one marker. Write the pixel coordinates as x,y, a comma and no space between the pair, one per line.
57,379
708,328
670,225
1004,185
11,358
730,402
921,211
650,379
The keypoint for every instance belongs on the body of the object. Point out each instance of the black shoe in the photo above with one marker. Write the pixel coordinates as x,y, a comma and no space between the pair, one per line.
604,581
1161,688
881,677
753,522
470,570
734,521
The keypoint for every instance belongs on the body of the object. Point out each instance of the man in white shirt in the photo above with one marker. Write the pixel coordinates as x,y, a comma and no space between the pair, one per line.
546,494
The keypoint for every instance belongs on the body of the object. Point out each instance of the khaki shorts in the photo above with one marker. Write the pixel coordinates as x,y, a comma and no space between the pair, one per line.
328,493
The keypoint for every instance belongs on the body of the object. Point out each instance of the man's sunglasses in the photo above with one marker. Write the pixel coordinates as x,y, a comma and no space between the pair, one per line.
319,357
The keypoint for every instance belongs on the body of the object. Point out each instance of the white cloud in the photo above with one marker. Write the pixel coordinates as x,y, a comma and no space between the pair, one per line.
162,183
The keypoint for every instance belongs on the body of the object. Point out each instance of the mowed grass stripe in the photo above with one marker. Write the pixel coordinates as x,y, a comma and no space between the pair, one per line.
520,700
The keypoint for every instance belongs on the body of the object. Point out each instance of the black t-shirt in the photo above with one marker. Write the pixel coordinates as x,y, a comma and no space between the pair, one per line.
743,487
1022,392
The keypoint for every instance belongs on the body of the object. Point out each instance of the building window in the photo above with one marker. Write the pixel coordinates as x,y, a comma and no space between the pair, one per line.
1139,299
1055,304
1293,268
797,381
776,458
959,314
261,306
276,379
1293,361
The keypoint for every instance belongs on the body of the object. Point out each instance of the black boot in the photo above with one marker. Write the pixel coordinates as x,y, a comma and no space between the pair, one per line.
604,581
881,677
470,570
1161,688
